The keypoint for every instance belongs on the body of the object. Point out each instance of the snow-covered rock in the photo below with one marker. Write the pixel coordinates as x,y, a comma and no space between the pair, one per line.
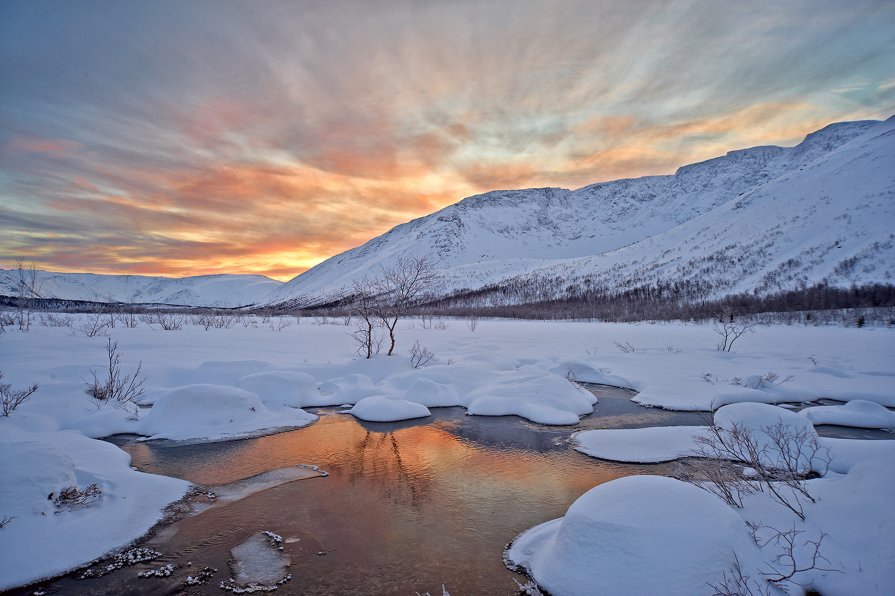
637,535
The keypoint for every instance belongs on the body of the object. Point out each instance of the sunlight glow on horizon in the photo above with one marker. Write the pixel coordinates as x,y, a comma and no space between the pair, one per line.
265,140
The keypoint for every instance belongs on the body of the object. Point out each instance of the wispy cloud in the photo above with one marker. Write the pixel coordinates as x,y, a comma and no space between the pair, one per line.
185,138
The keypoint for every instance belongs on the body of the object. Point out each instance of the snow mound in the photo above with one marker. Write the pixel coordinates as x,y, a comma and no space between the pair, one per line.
638,445
43,540
379,408
545,399
858,413
848,453
283,388
216,413
636,535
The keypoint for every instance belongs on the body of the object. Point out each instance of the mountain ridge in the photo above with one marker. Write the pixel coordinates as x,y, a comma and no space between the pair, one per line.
543,230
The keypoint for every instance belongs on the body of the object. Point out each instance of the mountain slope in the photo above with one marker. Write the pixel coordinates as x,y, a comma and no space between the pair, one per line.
203,290
765,219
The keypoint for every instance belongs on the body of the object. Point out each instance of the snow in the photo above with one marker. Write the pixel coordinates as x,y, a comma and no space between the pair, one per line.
855,514
216,413
388,409
638,445
41,541
857,413
636,535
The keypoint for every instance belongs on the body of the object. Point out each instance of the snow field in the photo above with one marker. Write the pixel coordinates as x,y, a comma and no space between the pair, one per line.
243,381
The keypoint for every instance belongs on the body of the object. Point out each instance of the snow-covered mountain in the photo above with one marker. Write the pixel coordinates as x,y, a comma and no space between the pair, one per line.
202,290
763,219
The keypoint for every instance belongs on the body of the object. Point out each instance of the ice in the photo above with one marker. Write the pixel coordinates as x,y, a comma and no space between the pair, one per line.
259,560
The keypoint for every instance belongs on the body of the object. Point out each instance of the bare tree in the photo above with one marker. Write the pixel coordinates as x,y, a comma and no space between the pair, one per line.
403,285
27,289
11,399
731,329
365,314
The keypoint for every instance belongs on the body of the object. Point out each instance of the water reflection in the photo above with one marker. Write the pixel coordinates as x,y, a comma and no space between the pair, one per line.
407,507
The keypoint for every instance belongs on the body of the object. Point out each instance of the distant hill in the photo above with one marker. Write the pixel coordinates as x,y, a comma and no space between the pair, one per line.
202,290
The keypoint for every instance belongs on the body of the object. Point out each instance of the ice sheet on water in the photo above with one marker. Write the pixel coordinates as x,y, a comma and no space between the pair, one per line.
259,561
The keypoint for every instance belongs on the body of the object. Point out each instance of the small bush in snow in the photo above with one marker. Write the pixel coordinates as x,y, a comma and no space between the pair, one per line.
6,320
71,497
626,347
51,320
472,323
165,321
11,399
420,355
4,521
112,385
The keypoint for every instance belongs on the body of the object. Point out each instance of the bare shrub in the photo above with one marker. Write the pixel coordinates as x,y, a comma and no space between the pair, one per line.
731,329
734,462
279,323
472,323
213,320
112,385
420,355
54,320
165,321
4,521
128,317
11,399
94,325
71,497
6,320
626,347
787,563
734,582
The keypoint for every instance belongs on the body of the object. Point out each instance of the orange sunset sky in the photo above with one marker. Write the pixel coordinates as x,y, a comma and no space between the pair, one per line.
183,138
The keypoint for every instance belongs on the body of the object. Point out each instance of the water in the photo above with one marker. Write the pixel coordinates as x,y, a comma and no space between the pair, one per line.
406,507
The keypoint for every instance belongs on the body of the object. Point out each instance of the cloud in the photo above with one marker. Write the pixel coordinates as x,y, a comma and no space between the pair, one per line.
249,138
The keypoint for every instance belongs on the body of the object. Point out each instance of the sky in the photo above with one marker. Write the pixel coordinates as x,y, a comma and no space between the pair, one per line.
193,137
